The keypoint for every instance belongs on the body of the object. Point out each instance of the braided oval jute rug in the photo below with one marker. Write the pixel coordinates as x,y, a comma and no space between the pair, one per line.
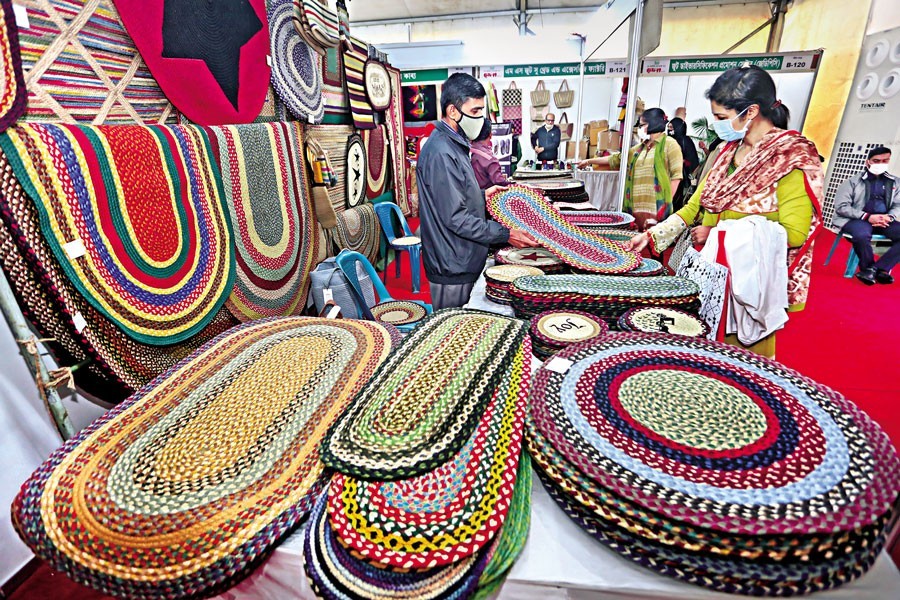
135,216
272,217
428,397
179,489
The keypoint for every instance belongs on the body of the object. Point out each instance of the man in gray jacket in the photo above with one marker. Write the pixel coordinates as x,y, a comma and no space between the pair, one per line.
867,204
456,234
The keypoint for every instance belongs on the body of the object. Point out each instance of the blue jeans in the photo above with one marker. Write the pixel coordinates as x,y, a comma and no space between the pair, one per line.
862,231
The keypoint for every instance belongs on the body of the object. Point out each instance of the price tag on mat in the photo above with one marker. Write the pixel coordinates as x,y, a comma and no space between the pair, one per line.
334,312
75,249
558,365
327,295
79,322
21,14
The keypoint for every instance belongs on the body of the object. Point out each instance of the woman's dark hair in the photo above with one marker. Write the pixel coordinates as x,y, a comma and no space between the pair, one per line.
655,118
485,131
679,129
745,86
458,88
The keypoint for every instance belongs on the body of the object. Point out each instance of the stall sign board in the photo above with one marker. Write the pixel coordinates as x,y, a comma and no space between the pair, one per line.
425,76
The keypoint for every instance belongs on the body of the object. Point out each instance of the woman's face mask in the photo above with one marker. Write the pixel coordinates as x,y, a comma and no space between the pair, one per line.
726,131
642,134
470,126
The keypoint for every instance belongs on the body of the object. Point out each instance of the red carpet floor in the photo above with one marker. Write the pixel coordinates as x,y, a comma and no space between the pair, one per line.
847,338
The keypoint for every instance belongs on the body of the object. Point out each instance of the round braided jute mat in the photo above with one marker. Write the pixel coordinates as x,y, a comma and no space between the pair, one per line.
717,437
182,487
427,398
658,319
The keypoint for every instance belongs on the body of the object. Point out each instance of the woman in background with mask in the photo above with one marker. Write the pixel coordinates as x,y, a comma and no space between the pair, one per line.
654,170
761,169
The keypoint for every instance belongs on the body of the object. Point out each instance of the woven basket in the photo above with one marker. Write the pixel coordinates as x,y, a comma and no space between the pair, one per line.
564,98
541,95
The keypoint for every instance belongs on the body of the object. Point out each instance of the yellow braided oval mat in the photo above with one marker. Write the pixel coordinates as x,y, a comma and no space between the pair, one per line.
178,490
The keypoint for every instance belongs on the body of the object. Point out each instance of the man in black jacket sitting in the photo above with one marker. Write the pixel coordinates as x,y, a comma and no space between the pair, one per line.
455,232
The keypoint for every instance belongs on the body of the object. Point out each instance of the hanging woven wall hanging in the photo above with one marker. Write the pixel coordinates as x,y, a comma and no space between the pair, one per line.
333,141
334,87
296,67
182,489
265,185
357,229
357,172
135,217
400,166
356,53
81,66
209,58
378,164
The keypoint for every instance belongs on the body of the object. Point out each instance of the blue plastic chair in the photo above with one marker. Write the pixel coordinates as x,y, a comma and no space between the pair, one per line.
852,258
347,260
407,242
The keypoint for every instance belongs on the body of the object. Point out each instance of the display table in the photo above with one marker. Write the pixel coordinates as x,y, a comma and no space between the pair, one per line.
602,187
559,560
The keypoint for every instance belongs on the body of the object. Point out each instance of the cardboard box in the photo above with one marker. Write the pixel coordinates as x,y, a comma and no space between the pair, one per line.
608,140
593,128
582,152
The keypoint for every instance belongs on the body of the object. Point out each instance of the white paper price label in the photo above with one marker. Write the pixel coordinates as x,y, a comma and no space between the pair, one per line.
79,322
327,294
333,312
21,14
75,249
558,365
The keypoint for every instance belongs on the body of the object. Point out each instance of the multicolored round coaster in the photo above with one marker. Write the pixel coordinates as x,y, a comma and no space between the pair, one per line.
272,217
335,573
136,218
717,437
539,258
597,218
524,208
453,511
182,487
425,401
399,312
656,319
296,67
356,171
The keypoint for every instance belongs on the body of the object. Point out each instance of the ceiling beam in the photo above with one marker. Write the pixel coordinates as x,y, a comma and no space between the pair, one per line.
515,12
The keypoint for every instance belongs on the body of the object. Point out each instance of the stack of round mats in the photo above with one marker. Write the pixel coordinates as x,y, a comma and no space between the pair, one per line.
530,174
569,191
539,258
524,208
657,319
430,497
713,465
553,330
183,488
597,218
499,277
605,297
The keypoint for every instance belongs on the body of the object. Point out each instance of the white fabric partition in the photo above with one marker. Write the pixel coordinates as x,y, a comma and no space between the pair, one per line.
601,187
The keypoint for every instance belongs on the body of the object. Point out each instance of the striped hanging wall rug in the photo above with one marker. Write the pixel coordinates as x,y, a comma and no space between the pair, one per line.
13,94
378,164
82,66
427,399
181,490
397,143
272,217
355,55
115,365
358,229
136,219
452,511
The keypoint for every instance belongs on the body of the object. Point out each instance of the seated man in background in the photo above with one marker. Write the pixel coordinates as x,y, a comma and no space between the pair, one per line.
867,204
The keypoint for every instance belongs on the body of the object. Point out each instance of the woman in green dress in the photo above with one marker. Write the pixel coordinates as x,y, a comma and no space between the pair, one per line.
762,169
